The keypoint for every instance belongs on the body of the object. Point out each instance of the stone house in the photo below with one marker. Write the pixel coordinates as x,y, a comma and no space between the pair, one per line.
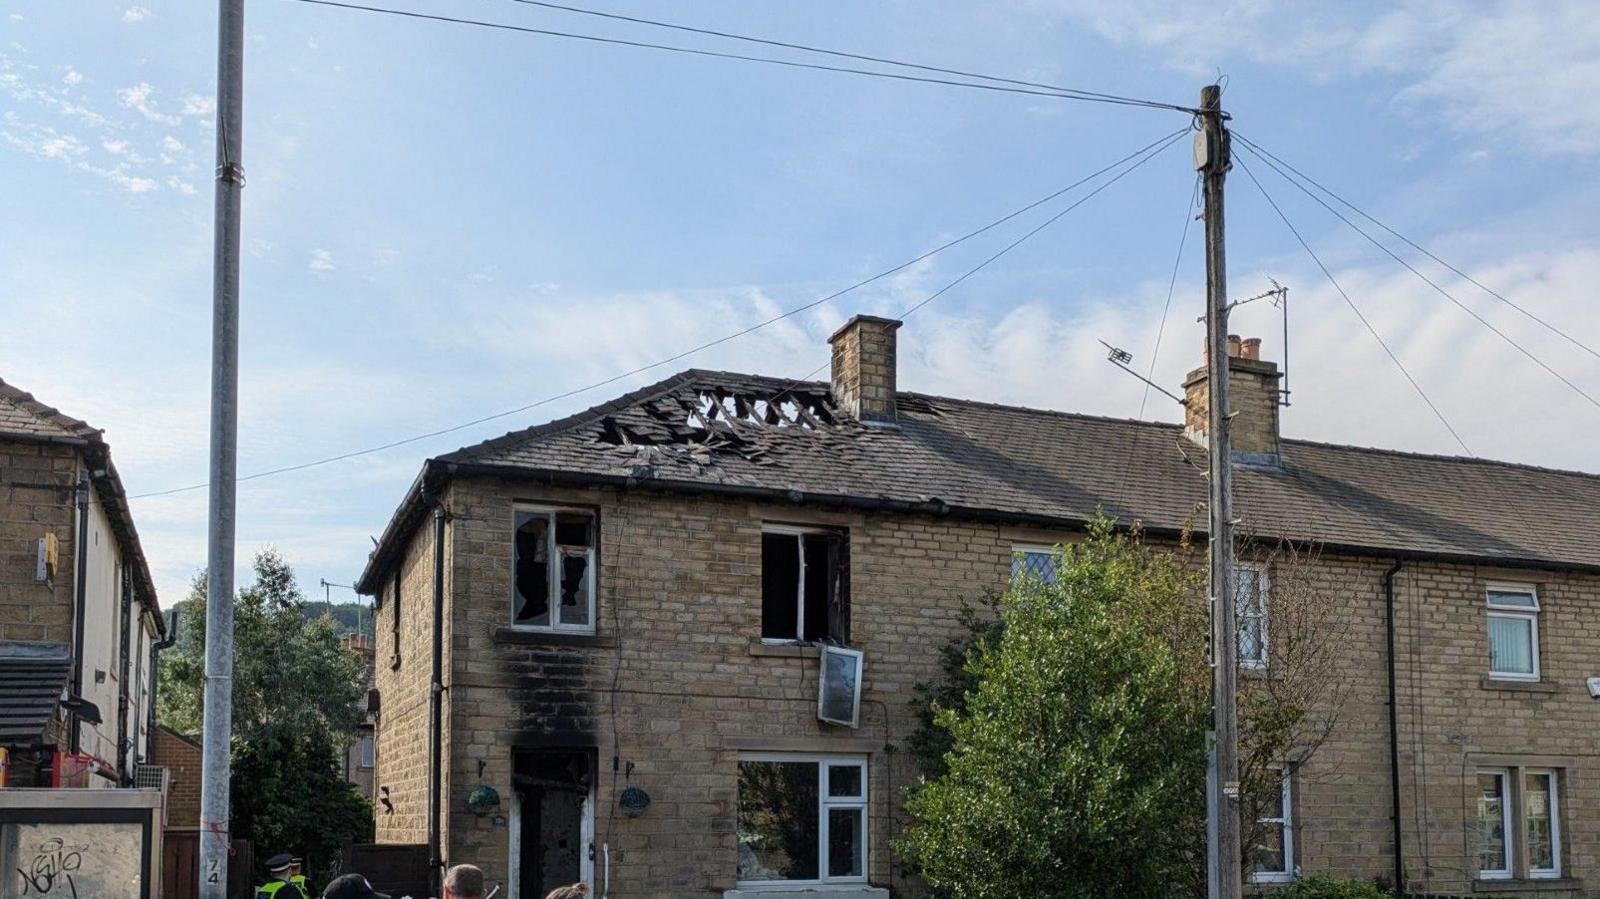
677,634
79,622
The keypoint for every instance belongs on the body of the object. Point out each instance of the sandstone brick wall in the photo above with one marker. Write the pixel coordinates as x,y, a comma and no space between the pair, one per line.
37,496
181,757
675,684
401,751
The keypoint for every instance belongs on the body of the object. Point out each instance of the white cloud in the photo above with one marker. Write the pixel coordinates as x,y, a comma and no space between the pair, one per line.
171,144
73,77
116,147
135,14
1522,72
138,97
181,186
198,105
321,261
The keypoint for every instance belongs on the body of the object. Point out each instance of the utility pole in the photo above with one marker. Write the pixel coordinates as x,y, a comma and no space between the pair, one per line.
1213,160
214,773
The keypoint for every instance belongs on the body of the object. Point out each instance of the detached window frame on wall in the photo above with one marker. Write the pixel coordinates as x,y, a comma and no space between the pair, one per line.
559,552
1036,559
832,619
836,804
1283,822
1252,615
1516,603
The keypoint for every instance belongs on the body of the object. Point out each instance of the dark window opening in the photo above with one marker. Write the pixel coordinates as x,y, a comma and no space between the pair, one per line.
554,560
805,592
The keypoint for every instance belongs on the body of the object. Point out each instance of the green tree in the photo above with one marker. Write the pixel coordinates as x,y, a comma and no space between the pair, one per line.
296,704
1063,751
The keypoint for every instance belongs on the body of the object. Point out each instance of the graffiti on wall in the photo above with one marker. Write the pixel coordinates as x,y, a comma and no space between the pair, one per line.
71,861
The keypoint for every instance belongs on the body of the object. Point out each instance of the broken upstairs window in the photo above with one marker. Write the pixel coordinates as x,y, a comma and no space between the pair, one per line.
553,569
805,585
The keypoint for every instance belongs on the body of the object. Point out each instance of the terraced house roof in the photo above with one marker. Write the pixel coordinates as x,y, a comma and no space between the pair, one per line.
706,431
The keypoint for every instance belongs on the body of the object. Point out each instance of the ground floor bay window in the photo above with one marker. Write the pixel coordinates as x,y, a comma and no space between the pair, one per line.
802,821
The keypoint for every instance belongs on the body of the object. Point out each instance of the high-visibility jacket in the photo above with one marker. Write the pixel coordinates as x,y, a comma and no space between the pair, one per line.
299,880
279,889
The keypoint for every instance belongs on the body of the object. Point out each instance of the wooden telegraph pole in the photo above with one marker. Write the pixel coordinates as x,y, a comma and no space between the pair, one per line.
1213,160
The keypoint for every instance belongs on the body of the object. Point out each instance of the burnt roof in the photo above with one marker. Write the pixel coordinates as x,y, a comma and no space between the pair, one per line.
721,432
24,418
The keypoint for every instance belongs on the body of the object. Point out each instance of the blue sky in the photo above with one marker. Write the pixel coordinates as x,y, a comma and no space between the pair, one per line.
443,222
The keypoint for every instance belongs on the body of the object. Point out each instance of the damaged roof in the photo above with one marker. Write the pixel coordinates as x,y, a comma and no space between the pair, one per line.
703,431
26,419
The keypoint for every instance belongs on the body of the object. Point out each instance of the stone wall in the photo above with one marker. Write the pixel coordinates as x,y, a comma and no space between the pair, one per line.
38,483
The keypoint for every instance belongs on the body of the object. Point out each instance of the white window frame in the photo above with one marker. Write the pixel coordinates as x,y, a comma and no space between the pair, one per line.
1030,549
823,762
553,568
1264,600
1285,823
1507,825
855,703
1521,613
799,533
366,751
1555,822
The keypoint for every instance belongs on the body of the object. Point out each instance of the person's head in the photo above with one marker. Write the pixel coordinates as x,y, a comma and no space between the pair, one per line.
575,891
351,886
296,866
463,882
279,865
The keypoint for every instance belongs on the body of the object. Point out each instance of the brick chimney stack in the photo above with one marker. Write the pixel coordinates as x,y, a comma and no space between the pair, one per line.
1253,392
863,368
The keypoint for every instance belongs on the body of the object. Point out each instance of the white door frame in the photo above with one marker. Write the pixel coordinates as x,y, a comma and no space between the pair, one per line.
586,849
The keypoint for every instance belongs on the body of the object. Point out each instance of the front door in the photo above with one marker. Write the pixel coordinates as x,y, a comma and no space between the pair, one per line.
552,821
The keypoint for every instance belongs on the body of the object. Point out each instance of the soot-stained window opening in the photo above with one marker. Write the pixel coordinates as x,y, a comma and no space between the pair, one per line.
553,569
805,584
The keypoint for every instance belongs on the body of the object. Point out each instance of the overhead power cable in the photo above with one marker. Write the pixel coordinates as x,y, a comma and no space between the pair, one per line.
1354,308
742,57
861,57
1156,145
1271,157
1430,282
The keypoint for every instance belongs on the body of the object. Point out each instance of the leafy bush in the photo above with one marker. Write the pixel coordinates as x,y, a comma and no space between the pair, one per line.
1328,888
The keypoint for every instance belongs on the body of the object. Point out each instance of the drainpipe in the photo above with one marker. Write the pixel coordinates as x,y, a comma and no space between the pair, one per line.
155,671
80,589
436,695
125,663
1394,732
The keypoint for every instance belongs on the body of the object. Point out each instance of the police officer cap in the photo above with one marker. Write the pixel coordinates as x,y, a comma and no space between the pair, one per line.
280,862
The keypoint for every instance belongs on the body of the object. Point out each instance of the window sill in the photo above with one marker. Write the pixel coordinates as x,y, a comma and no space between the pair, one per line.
1521,686
832,891
531,637
1535,885
760,647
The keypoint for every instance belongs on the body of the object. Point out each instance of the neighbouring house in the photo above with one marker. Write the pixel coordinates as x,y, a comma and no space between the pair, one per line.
359,755
79,623
677,635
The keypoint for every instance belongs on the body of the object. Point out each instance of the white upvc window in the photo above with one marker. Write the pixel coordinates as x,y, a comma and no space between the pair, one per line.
1513,632
802,821
553,569
1494,824
1034,560
1541,822
1252,593
1272,853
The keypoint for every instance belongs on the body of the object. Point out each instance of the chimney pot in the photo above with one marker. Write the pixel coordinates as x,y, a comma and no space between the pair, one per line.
1233,346
864,354
1250,348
